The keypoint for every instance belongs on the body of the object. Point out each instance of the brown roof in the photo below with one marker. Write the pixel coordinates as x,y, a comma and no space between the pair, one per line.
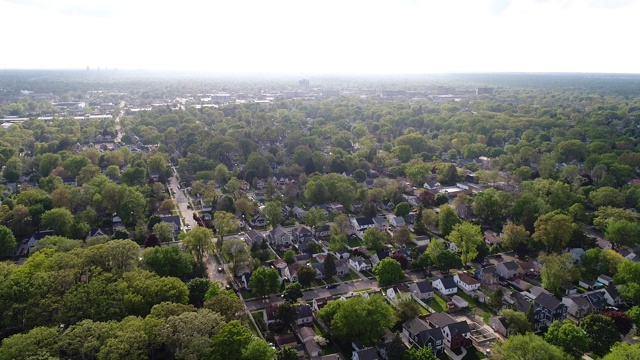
467,279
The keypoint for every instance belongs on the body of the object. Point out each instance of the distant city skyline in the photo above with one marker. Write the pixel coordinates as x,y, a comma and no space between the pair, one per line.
322,37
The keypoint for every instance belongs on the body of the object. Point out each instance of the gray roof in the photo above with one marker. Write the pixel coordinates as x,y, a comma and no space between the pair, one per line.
304,311
548,301
364,221
424,286
368,354
447,282
510,265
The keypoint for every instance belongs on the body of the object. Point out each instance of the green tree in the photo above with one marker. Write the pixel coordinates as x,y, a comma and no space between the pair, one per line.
59,220
273,212
606,196
634,314
447,219
306,275
264,281
230,341
7,241
258,349
447,260
167,261
406,308
467,238
423,353
225,223
554,230
37,342
622,232
601,331
292,292
330,266
396,349
359,318
164,231
515,237
287,353
238,252
258,164
402,209
197,288
491,206
518,322
401,236
198,242
337,242
569,337
388,271
557,270
375,239
623,350
528,346
228,305
289,257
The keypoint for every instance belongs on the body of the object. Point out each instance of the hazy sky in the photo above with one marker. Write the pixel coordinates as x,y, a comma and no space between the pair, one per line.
322,36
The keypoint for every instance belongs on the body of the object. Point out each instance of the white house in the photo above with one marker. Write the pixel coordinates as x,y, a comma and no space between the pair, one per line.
466,282
360,225
360,264
445,285
422,290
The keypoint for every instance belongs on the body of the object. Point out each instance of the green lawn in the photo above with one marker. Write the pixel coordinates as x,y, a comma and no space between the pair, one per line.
329,348
473,354
368,274
478,308
354,242
423,311
320,282
351,276
331,280
257,316
437,303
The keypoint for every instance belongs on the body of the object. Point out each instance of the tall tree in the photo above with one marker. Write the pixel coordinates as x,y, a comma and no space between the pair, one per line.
528,346
601,332
225,223
330,266
292,292
467,238
264,281
375,239
515,237
388,271
273,212
7,241
396,348
423,353
199,243
167,261
238,252
569,337
306,275
557,270
554,230
517,321
230,341
447,219
164,231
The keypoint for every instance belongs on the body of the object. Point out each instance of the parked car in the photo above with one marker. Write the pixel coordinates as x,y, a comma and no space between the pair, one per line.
332,286
219,269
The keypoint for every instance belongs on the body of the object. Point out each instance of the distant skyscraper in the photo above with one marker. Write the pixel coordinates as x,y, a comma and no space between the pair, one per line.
304,85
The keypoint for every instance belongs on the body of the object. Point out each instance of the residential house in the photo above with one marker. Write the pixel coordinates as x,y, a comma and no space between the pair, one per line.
422,290
411,199
175,221
290,272
302,259
301,234
578,305
270,315
386,205
518,302
279,236
466,282
487,276
398,291
445,285
379,256
491,238
37,236
500,325
365,354
95,231
456,334
342,267
612,295
254,237
69,180
397,221
507,269
577,254
307,335
360,264
319,303
304,315
459,302
319,268
422,335
361,224
322,232
287,339
258,221
381,223
298,212
597,299
548,309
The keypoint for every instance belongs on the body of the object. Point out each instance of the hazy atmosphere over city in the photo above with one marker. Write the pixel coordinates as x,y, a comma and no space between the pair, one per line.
323,36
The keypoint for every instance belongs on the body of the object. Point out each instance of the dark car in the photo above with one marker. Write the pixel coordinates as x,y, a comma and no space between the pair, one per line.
219,269
332,286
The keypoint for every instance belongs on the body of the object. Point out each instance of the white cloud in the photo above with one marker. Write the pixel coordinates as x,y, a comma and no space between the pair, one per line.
322,36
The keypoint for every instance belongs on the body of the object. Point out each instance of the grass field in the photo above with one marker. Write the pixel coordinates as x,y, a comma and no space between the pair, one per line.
351,276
